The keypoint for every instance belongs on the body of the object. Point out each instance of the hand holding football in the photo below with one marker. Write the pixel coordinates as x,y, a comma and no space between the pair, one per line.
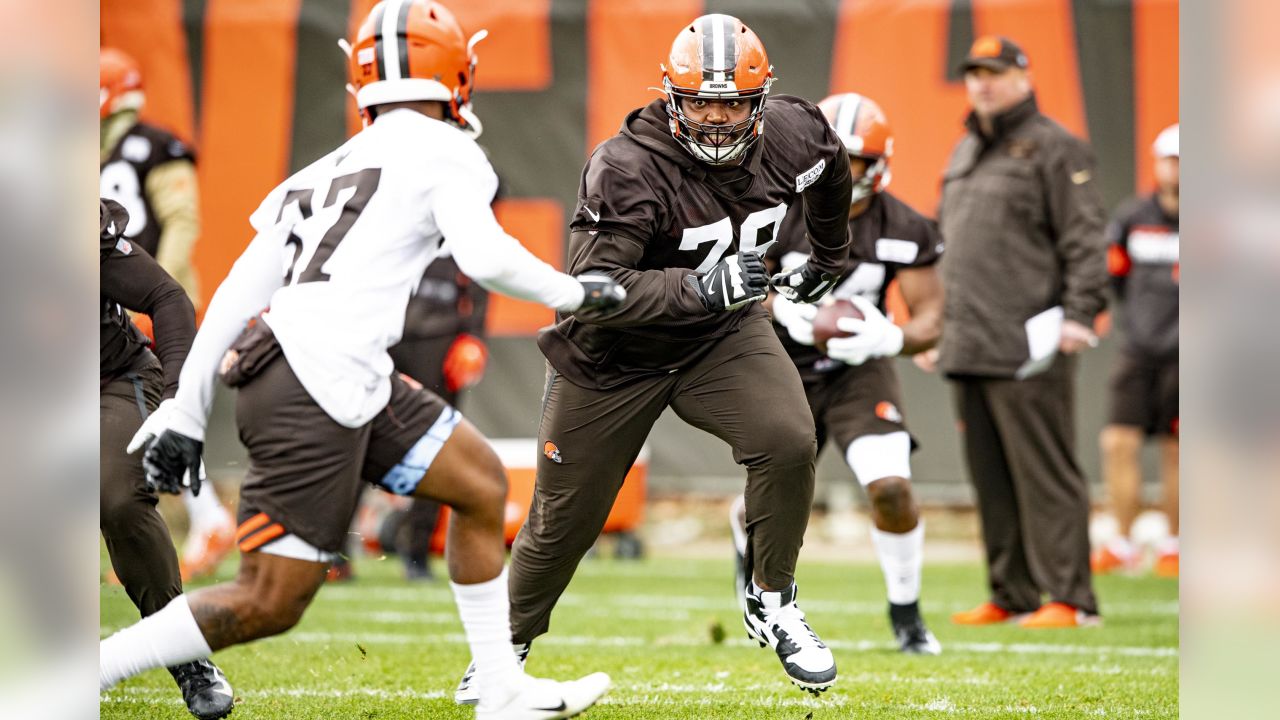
825,322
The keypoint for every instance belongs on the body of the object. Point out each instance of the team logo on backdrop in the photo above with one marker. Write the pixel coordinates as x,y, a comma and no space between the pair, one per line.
886,410
551,451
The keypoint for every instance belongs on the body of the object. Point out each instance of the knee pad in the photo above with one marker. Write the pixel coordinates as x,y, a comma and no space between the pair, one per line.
872,457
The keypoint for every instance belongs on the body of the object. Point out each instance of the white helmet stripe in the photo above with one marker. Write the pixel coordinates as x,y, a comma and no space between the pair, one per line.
847,116
390,38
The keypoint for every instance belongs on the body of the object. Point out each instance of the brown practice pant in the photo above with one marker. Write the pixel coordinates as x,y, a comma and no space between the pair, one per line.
138,541
1019,440
746,391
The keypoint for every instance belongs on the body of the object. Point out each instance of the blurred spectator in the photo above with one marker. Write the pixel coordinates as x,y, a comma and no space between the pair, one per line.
1024,277
152,174
1143,260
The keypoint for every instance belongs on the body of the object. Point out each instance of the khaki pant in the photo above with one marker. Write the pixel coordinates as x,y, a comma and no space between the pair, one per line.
137,539
745,391
1019,440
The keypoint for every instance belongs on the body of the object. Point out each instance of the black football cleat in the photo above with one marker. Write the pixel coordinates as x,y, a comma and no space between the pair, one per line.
204,688
909,629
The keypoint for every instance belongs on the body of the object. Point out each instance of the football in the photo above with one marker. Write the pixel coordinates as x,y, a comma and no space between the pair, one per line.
824,323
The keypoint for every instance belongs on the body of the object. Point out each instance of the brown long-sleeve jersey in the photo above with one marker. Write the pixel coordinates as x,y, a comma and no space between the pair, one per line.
130,279
649,215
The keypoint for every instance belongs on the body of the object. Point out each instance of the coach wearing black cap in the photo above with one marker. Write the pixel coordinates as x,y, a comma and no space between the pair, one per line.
1025,274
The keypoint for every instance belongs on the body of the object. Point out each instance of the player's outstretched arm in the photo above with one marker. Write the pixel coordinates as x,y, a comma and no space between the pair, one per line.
246,292
500,263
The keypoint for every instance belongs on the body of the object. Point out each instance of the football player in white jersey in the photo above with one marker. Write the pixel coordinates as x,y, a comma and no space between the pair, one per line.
339,249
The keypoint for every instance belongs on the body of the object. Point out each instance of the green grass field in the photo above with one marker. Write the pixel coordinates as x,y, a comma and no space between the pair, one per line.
380,648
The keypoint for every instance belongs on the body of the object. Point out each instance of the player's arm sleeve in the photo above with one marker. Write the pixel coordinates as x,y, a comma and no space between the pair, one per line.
246,292
1118,261
494,259
826,208
174,197
137,282
1077,218
477,307
659,296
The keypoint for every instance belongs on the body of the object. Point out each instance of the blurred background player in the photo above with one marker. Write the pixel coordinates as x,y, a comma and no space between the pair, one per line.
340,246
1025,276
152,174
853,388
677,207
443,348
1143,260
134,383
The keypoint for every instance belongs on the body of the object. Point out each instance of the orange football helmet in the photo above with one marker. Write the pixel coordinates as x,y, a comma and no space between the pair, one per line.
863,128
119,83
718,58
413,50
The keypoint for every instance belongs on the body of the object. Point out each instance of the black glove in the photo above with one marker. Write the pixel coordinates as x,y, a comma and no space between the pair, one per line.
803,284
169,459
601,294
732,282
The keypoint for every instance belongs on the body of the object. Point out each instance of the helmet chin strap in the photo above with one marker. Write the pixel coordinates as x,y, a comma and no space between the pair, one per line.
473,127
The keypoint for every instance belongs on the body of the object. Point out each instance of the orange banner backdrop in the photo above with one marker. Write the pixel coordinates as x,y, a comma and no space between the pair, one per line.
152,32
246,121
539,225
1155,70
626,42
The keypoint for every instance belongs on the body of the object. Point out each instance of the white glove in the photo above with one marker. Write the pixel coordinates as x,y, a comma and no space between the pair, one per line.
796,317
874,336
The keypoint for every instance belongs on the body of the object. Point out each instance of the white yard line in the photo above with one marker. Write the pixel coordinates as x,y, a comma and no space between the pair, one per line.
691,602
843,645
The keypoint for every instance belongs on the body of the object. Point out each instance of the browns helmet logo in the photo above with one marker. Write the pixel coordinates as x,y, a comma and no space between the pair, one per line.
886,410
551,451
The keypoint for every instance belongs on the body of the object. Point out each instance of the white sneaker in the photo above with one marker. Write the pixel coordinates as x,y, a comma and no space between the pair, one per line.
774,619
467,693
541,699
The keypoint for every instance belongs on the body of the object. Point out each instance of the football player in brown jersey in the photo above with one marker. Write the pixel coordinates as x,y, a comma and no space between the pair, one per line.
134,381
678,207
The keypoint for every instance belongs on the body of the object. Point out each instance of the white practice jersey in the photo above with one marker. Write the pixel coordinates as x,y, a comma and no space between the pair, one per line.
341,246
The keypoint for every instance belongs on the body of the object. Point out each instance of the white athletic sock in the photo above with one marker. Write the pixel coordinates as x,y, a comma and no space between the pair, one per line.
168,637
204,511
902,559
485,612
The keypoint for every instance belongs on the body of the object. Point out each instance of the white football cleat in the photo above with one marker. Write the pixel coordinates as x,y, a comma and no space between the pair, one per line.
541,699
467,692
774,620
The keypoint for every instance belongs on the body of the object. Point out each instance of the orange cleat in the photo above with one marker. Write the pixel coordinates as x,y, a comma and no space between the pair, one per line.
1105,562
1059,615
1167,565
340,572
988,613
205,552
